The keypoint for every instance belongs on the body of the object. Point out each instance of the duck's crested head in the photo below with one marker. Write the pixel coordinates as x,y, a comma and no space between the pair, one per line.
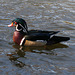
20,25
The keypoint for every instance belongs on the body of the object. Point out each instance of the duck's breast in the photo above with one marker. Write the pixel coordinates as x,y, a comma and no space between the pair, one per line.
17,37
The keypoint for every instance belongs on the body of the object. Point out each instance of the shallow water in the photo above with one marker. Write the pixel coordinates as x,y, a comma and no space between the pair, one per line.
56,59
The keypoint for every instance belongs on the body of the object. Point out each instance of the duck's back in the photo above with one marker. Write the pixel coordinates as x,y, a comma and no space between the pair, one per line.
39,35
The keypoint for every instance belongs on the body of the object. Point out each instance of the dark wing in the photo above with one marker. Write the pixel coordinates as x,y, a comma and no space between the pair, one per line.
39,35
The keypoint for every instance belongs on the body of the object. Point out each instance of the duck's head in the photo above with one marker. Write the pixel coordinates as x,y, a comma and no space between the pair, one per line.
20,25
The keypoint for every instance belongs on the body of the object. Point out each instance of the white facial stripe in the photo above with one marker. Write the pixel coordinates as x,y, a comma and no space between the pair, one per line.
17,28
23,28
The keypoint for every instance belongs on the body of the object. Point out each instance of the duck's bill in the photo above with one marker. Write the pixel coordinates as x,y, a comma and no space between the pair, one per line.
10,25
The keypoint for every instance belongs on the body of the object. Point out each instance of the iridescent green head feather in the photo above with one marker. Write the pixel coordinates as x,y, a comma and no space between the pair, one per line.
20,24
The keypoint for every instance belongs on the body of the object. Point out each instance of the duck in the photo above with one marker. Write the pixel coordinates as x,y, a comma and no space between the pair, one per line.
24,37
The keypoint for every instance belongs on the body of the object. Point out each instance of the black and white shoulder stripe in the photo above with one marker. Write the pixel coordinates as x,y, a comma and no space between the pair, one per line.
22,41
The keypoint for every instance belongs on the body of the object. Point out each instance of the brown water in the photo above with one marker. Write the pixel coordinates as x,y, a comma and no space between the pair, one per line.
57,59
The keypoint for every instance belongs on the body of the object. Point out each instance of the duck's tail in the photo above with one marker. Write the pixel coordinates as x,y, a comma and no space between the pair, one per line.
57,39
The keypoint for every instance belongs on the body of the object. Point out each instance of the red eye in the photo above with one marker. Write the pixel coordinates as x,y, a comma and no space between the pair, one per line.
15,22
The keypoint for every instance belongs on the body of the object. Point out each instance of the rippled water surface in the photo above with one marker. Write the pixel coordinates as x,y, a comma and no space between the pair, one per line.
56,59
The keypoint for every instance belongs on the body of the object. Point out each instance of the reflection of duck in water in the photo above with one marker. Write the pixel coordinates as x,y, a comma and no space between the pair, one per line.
29,38
15,56
48,50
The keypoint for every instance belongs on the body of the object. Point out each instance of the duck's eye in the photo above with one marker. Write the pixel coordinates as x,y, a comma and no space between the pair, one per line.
15,22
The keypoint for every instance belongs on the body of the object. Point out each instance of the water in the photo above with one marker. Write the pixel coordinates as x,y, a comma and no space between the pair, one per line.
57,59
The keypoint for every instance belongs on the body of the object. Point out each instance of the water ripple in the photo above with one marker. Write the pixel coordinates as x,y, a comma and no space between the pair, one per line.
58,15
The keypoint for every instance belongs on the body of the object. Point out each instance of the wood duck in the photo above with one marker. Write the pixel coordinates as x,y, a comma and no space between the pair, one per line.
24,37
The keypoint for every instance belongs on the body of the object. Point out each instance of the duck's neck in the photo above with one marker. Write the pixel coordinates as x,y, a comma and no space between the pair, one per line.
17,37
